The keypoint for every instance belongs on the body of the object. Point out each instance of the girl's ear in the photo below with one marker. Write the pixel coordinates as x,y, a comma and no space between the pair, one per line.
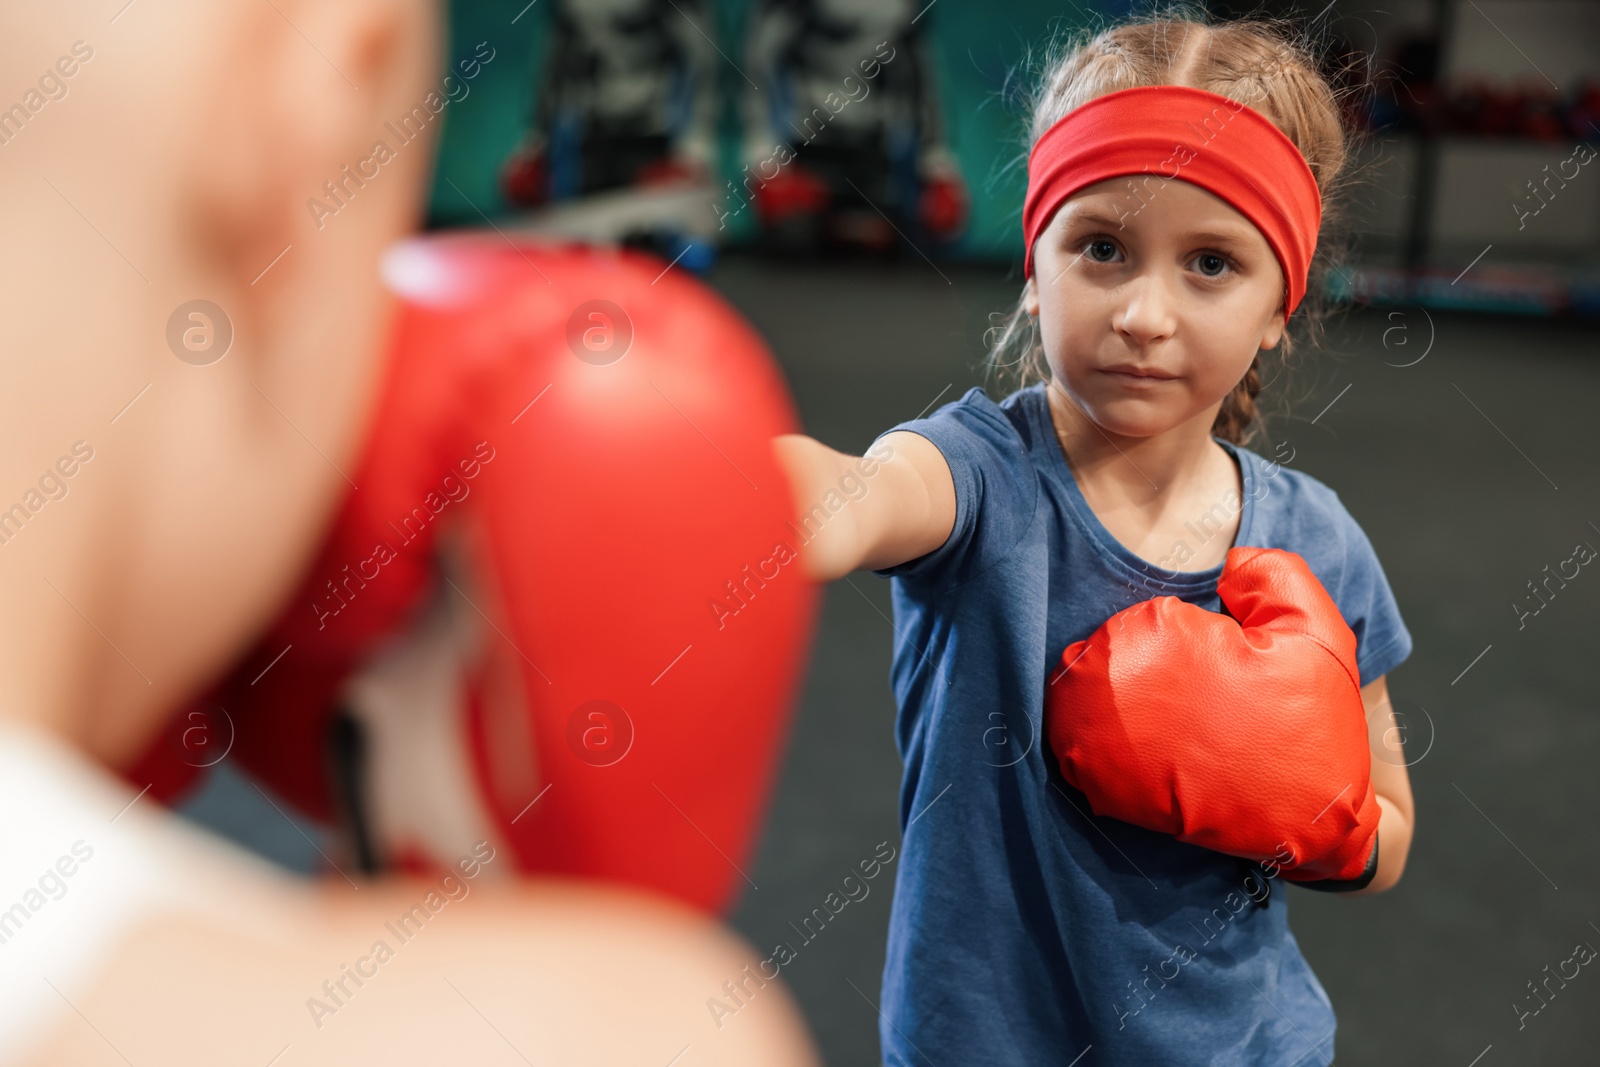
1030,298
1274,330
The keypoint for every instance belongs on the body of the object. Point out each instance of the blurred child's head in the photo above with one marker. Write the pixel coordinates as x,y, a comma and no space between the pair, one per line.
1159,273
197,137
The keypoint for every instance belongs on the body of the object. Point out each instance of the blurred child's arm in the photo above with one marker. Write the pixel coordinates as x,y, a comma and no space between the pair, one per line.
1392,784
894,504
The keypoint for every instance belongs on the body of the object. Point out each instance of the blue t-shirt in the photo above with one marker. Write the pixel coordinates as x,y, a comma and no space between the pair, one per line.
1025,930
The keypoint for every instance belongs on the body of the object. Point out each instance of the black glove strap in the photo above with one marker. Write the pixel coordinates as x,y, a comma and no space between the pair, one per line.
1346,885
1257,883
347,754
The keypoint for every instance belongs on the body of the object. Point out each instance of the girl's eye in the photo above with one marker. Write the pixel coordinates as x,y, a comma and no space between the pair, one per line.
1100,250
1211,264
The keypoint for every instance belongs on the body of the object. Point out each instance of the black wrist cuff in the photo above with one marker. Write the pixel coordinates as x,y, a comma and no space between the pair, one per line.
1346,885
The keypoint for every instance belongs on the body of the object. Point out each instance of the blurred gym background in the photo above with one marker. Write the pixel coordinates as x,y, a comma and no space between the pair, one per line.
849,174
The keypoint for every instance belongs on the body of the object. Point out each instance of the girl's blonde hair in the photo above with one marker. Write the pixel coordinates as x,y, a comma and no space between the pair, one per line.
1256,63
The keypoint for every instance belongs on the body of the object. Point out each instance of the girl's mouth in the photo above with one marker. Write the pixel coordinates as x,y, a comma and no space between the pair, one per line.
1132,376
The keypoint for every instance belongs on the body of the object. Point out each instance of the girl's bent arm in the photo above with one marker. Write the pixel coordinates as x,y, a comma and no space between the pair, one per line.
1392,784
891,505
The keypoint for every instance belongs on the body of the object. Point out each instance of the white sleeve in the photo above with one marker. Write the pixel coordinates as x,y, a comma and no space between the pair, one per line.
84,859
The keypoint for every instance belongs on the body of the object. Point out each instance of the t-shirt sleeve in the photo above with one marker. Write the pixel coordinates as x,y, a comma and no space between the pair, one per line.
995,485
1368,604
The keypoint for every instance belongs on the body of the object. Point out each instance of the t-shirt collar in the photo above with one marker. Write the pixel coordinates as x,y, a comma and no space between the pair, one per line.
1054,461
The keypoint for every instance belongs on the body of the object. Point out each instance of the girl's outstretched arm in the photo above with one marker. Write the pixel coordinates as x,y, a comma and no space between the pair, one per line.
891,505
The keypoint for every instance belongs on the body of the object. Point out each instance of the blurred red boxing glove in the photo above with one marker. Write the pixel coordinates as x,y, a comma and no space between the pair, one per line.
794,191
558,601
1243,734
943,206
525,177
673,170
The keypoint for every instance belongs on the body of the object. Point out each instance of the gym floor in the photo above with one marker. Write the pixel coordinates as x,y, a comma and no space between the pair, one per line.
1465,446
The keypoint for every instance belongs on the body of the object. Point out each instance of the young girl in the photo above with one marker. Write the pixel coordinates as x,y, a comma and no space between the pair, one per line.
1169,236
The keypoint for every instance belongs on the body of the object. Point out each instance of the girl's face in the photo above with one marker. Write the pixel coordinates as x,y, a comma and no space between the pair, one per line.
1158,277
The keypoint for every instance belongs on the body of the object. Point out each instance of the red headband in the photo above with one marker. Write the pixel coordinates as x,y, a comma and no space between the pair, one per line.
1173,131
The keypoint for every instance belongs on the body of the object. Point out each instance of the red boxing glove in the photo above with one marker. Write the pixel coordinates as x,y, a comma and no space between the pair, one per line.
672,170
943,206
572,452
1244,734
793,191
525,178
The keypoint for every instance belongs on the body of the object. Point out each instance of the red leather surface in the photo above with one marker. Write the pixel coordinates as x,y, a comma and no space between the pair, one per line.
622,543
1244,734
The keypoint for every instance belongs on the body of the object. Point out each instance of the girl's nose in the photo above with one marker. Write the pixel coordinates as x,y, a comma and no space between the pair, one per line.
1148,312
